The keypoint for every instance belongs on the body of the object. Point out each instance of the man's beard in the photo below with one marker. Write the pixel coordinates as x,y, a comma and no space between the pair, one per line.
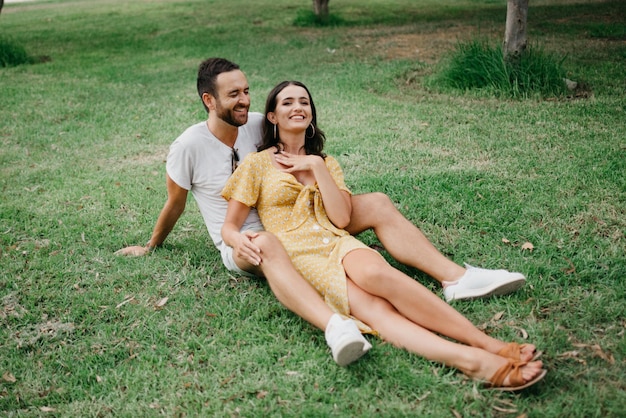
229,116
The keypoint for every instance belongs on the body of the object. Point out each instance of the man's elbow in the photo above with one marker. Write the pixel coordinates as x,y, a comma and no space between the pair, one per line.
176,206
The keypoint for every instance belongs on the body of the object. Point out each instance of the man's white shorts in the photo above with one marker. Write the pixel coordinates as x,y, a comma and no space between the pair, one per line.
229,262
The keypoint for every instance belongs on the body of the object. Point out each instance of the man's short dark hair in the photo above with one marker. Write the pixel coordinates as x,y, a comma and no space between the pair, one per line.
209,70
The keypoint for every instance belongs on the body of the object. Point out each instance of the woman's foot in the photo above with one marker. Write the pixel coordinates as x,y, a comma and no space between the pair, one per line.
519,352
506,374
515,376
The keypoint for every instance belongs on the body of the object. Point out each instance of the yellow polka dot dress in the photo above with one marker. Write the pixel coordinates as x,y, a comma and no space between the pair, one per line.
294,213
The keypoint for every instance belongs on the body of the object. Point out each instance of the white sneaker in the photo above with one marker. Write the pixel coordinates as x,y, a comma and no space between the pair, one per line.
346,342
481,283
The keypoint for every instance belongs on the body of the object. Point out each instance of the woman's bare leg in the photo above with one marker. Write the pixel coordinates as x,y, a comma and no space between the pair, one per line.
289,287
370,272
401,332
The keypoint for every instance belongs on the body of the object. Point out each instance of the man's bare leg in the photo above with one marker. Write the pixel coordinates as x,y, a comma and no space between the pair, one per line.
408,245
403,240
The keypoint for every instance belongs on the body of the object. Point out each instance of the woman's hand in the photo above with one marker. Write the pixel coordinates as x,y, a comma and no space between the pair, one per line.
245,249
293,162
336,202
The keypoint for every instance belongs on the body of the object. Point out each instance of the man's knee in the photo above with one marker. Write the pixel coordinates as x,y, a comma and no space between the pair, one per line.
381,199
372,205
374,201
372,210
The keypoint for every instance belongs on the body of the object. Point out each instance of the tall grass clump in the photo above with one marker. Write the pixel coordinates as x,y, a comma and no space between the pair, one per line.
12,53
477,65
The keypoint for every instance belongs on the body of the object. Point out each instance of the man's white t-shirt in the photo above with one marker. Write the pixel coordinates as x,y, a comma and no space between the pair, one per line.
201,163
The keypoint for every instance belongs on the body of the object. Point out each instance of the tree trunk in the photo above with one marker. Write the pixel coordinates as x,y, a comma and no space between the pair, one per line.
321,8
515,33
1,4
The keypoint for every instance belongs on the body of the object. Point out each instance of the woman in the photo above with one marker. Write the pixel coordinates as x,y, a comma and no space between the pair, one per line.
301,198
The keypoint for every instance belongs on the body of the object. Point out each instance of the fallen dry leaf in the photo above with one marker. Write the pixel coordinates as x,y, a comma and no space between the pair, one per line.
506,241
129,299
597,351
8,377
424,396
261,394
523,332
505,410
571,269
573,355
506,403
47,409
528,246
498,316
161,303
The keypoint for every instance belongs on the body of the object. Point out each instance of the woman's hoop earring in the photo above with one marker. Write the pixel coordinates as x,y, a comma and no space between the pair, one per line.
274,131
313,134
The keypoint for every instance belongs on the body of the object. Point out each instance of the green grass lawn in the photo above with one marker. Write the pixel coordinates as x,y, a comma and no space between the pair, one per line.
84,134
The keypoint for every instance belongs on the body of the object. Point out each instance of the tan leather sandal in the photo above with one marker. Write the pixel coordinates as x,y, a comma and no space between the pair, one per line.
516,381
513,351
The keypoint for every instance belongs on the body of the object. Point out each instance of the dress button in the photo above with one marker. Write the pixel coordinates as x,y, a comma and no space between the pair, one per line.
316,227
325,240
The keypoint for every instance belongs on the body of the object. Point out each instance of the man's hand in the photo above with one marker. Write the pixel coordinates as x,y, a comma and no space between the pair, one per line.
245,249
135,251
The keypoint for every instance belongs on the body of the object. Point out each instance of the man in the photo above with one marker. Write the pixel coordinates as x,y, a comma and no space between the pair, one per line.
206,154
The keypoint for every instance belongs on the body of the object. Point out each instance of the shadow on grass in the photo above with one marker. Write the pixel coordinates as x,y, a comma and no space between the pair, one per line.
597,19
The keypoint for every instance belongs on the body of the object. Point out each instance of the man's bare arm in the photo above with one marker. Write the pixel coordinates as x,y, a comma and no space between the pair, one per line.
171,212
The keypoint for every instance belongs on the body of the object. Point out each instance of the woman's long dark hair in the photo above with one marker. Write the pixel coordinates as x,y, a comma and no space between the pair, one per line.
313,143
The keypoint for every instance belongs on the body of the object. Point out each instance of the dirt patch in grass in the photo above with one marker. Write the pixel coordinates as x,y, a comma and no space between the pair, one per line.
426,45
10,307
50,330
